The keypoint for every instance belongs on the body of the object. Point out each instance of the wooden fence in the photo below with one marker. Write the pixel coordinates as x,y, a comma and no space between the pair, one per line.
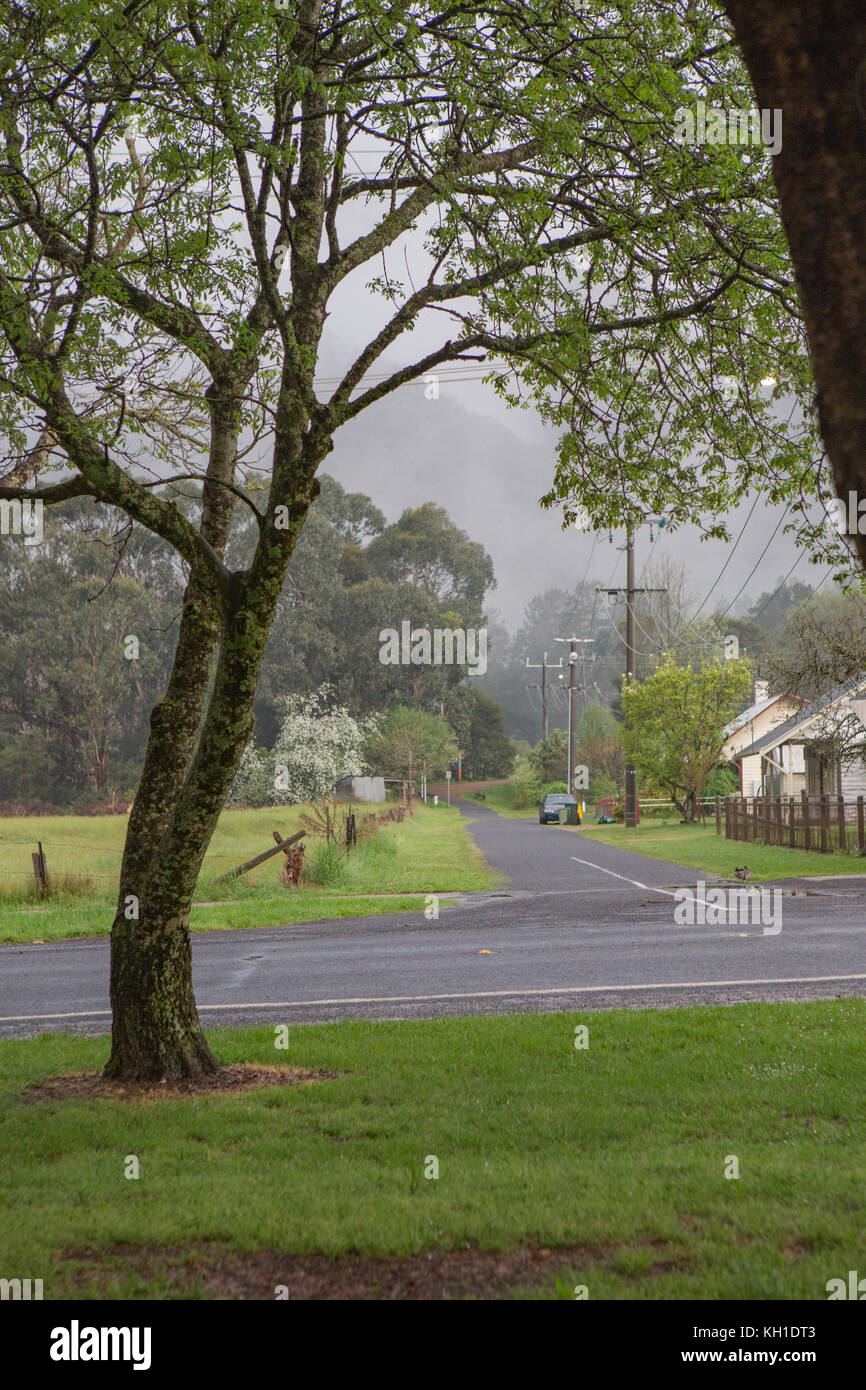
822,823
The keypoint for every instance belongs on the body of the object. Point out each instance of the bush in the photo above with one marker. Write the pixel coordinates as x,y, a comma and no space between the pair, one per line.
527,790
325,865
722,781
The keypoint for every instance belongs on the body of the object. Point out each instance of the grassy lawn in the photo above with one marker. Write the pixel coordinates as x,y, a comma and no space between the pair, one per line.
699,847
430,852
620,1148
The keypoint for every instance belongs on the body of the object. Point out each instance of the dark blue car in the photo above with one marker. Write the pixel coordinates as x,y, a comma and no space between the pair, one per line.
553,804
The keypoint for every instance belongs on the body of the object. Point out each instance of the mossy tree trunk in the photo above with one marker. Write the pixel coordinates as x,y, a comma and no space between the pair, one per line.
809,61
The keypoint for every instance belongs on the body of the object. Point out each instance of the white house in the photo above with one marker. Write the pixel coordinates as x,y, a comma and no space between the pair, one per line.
744,732
786,760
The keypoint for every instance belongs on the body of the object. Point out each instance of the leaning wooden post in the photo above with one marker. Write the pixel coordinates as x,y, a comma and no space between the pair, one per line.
260,858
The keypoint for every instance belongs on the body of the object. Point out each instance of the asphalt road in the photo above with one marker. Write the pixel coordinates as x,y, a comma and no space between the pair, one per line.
578,925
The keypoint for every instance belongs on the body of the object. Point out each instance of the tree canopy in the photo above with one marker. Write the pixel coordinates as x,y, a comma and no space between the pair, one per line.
676,722
187,192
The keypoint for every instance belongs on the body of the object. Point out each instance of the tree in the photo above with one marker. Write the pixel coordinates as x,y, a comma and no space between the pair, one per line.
408,741
826,646
426,549
146,333
352,514
549,760
318,744
773,608
549,615
599,749
676,722
479,729
87,634
686,423
807,61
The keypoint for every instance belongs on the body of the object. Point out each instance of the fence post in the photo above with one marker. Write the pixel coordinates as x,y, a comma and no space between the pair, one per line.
843,837
861,839
744,833
718,815
825,821
807,824
778,838
792,822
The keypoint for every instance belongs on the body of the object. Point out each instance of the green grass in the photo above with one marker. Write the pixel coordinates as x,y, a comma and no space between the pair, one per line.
429,852
501,799
620,1148
699,847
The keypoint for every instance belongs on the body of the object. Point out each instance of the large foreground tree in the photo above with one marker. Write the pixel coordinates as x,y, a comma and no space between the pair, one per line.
190,189
809,61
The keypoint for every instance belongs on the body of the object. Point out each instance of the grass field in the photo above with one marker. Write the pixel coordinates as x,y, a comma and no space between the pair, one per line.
699,847
501,799
620,1149
429,852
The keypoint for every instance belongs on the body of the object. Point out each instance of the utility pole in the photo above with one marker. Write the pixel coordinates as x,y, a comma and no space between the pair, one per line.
543,668
630,591
574,643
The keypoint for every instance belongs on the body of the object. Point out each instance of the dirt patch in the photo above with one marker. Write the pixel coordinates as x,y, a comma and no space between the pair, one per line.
92,1085
209,1271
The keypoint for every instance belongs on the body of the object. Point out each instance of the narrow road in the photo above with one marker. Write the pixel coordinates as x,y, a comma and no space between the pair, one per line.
578,925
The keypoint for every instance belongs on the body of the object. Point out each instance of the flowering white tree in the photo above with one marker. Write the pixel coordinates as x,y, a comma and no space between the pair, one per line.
316,746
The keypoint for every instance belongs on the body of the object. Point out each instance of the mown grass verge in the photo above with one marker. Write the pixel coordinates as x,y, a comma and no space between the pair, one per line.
699,847
621,1148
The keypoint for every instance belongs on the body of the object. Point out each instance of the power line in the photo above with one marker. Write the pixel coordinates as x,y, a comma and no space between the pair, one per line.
728,561
755,565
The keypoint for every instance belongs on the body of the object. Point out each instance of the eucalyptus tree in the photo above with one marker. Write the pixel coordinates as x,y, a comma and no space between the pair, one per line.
190,189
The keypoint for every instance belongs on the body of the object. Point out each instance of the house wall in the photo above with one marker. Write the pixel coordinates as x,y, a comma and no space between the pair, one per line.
750,775
768,719
854,780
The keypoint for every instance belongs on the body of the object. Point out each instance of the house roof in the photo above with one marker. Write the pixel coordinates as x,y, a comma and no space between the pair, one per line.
799,722
752,712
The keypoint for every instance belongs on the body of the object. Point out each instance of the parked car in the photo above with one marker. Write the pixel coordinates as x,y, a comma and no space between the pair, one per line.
552,806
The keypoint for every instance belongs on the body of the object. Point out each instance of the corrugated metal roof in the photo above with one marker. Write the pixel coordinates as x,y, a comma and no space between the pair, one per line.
800,721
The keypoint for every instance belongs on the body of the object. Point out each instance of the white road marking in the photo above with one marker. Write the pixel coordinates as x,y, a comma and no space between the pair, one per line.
635,881
474,994
667,892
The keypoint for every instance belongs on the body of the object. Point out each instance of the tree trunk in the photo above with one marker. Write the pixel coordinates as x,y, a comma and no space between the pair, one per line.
156,1031
155,1026
809,60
